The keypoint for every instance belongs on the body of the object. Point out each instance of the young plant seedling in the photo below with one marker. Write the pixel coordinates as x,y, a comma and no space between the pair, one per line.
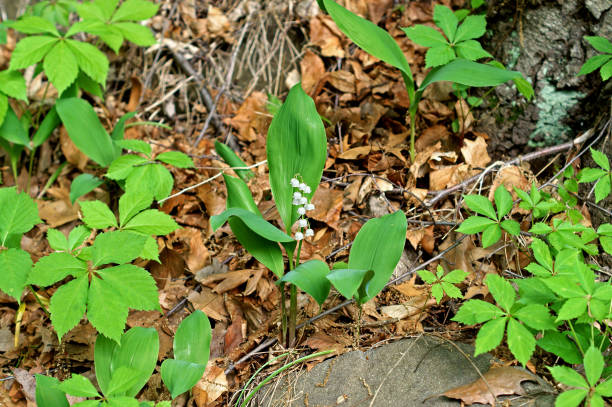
443,284
602,61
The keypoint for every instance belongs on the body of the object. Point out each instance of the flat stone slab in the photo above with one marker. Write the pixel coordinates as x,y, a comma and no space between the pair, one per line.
404,373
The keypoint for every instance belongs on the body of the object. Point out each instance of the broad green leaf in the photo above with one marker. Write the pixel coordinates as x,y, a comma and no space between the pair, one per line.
446,20
152,222
12,129
590,174
49,123
605,389
602,188
150,178
471,27
601,159
502,291
57,240
79,386
455,276
266,251
117,247
533,291
136,33
135,10
490,335
61,66
137,350
55,267
18,213
180,376
3,107
47,393
138,146
34,25
520,341
541,252
86,131
511,226
540,228
311,278
132,203
601,44
134,285
369,37
13,84
107,33
564,286
491,235
121,402
106,309
90,60
470,73
471,50
16,266
31,50
296,147
536,316
123,166
476,312
451,290
349,281
97,215
437,56
474,224
82,185
427,276
593,365
150,251
378,247
481,205
568,376
88,403
256,223
119,129
77,236
67,305
572,308
503,201
232,159
593,63
425,36
571,398
606,71
176,158
192,339
191,352
123,379
558,343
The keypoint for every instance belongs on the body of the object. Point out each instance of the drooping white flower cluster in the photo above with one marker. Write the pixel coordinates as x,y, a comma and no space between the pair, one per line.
303,205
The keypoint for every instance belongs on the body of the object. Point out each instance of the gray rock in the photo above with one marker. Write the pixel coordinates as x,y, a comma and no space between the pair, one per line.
410,372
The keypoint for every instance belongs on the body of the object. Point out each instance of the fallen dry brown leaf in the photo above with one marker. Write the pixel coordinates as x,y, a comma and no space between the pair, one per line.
501,381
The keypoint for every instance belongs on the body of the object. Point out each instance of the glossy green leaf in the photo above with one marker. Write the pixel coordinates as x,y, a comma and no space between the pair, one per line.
437,56
12,129
491,235
503,201
13,84
593,365
268,252
150,178
296,148
138,146
471,73
138,351
536,316
481,205
490,335
191,352
176,158
471,50
476,312
131,10
474,224
568,376
311,278
16,266
86,131
425,36
57,240
378,247
97,215
34,25
49,123
446,20
61,66
472,27
31,50
132,203
123,166
256,223
502,291
232,159
601,44
520,341
136,33
134,285
77,236
82,185
123,379
348,282
47,393
90,60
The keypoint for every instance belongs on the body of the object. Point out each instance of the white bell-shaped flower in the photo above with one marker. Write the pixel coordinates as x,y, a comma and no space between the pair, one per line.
299,236
295,183
301,211
309,207
302,223
309,232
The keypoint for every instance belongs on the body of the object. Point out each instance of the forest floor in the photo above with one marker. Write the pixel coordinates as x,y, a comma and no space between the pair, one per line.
213,77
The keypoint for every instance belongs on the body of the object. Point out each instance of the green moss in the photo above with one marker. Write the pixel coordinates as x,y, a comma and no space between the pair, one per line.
553,105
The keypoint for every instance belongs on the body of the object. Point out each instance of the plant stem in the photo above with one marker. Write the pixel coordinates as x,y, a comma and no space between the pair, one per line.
281,288
292,315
